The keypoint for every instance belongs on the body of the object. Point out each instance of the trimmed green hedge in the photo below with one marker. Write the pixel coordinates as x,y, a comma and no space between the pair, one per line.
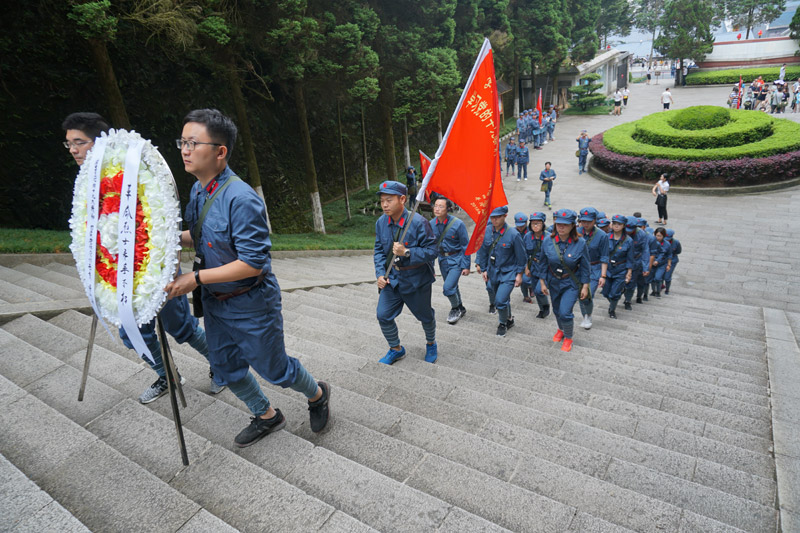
731,76
785,138
744,127
700,117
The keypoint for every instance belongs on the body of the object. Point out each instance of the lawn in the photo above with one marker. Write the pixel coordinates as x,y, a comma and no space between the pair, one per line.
595,110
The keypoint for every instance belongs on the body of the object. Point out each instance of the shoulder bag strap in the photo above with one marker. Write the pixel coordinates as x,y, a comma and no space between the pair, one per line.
444,232
572,275
199,225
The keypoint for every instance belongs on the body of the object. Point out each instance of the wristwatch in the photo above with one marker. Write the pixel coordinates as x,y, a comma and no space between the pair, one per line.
197,278
408,253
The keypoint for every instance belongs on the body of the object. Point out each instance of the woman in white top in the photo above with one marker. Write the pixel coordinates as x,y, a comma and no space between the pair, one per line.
660,190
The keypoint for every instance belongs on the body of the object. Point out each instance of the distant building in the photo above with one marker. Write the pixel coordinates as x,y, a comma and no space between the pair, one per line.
752,53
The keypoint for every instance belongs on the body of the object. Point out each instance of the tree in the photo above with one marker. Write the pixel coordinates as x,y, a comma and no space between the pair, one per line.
794,26
749,13
585,93
585,41
686,31
615,19
647,17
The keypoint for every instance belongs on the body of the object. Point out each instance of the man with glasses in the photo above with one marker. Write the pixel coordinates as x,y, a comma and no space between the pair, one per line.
81,131
240,295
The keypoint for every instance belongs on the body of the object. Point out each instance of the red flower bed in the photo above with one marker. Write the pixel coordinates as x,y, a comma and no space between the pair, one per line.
732,172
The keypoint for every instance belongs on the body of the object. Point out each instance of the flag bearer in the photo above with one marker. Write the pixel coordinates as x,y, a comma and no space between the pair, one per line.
597,246
501,262
451,244
411,274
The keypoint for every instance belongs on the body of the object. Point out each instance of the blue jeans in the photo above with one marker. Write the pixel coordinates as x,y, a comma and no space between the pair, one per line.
502,298
547,194
563,294
522,168
509,164
582,161
451,276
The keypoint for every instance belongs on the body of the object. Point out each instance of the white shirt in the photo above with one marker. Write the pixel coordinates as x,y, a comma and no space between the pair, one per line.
663,187
666,97
626,92
617,96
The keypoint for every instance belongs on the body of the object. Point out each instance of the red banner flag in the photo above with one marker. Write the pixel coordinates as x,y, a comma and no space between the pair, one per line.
739,101
424,165
466,168
539,107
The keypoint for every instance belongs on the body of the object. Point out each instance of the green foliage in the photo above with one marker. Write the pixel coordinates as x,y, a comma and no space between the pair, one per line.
705,129
585,41
749,13
686,29
216,29
731,76
616,18
585,93
648,14
785,138
699,117
34,241
94,20
794,26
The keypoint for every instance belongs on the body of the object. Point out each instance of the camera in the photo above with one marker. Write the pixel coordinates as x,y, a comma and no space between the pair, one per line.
492,259
559,271
197,294
612,262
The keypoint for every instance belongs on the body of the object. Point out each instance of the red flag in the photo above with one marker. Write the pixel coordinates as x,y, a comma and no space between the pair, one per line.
466,168
424,165
739,101
539,107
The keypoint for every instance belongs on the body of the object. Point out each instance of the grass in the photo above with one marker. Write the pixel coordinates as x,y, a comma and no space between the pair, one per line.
33,241
595,110
639,80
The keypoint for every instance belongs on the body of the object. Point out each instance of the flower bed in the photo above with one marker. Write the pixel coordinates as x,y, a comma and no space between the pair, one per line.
731,76
730,172
737,129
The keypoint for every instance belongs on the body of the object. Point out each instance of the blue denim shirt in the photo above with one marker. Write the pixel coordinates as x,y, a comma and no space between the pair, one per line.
234,228
533,246
597,247
575,256
675,246
661,252
455,240
511,152
620,255
523,155
509,254
583,145
641,248
421,244
547,174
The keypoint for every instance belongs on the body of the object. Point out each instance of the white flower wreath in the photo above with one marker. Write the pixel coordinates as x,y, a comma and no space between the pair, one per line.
157,228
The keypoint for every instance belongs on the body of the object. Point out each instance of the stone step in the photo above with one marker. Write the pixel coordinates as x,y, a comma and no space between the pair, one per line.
47,290
69,281
11,292
61,268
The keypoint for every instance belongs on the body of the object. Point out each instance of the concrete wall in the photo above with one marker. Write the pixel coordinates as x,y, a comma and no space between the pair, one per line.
752,52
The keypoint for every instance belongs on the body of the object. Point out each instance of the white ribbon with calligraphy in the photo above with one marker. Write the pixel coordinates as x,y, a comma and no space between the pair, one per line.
127,242
92,208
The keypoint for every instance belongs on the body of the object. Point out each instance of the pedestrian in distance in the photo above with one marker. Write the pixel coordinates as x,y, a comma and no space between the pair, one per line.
547,177
241,298
617,102
666,98
451,245
501,262
564,264
597,249
81,131
411,186
649,75
625,94
660,190
408,257
511,156
583,151
782,73
523,156
552,118
533,241
620,263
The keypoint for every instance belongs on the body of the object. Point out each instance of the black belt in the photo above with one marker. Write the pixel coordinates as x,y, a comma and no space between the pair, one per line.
222,296
563,276
595,263
409,267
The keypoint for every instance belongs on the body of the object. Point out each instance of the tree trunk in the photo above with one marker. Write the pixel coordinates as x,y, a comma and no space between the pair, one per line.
341,147
109,85
386,105
516,82
652,43
364,148
254,176
308,155
406,148
440,127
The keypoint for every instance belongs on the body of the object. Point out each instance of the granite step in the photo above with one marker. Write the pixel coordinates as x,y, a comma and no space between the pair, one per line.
69,281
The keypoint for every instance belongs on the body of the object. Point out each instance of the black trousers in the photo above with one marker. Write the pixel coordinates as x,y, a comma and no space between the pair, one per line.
662,207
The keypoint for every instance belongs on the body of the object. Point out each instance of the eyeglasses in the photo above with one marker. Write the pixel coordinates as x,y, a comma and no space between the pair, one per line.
191,145
76,144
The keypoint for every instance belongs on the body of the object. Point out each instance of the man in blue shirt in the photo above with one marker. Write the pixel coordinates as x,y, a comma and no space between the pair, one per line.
81,131
408,256
536,131
597,247
501,262
547,177
583,151
641,260
551,123
511,156
241,298
523,157
451,244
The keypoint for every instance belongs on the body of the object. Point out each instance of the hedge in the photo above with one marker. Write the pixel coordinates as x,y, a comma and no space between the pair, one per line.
731,76
699,117
785,138
732,172
744,127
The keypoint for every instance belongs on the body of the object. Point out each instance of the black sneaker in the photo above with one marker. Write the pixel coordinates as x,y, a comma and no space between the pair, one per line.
318,411
638,300
628,306
645,297
612,313
544,311
501,330
259,428
510,323
492,309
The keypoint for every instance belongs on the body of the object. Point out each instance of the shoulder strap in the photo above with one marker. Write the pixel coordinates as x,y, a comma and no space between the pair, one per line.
444,232
395,239
199,225
494,243
572,275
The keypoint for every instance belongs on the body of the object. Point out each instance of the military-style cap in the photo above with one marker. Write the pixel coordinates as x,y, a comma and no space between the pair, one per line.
538,215
600,215
642,223
632,223
670,233
392,187
587,213
564,216
650,230
498,211
622,219
520,219
552,106
603,222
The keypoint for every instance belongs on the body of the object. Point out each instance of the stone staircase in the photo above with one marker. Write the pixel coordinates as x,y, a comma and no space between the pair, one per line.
658,421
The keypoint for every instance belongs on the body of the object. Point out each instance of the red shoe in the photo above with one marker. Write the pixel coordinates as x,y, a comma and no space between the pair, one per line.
567,346
558,336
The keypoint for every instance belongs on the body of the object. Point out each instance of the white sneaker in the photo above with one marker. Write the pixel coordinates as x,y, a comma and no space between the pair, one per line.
544,142
517,179
587,322
526,179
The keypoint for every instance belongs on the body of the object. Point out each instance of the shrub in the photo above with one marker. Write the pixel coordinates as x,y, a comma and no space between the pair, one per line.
732,172
731,76
584,94
744,127
785,138
699,117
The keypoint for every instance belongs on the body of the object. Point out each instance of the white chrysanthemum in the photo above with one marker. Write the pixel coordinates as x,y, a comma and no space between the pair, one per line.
157,192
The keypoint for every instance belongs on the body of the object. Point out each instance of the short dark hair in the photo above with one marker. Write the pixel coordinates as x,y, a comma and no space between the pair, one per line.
447,202
91,124
548,163
220,128
637,214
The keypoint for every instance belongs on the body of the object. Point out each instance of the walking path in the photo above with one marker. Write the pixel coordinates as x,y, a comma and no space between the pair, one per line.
679,416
